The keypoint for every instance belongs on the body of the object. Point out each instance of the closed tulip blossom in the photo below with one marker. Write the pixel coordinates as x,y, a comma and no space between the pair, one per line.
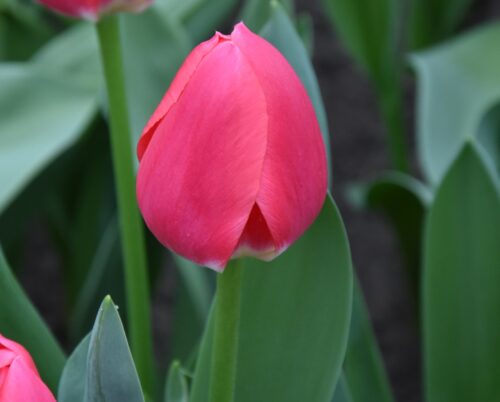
19,379
232,161
94,9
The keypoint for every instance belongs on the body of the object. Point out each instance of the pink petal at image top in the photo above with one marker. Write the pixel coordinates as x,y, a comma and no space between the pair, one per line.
19,379
94,9
232,162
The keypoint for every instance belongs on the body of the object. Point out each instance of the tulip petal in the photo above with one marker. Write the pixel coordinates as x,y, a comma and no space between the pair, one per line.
206,159
18,350
294,179
87,9
256,239
176,88
6,357
93,9
21,384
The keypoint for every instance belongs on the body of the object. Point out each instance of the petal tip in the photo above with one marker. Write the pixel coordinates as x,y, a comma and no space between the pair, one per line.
217,266
240,27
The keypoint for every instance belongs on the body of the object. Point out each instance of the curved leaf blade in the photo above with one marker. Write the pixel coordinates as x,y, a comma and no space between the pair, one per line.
177,388
21,322
461,302
313,279
455,89
74,375
364,372
111,373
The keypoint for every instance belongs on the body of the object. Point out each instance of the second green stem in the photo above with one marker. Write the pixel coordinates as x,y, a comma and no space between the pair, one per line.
226,336
132,232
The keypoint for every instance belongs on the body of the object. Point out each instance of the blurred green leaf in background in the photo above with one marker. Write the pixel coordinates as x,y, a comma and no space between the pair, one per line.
461,301
457,87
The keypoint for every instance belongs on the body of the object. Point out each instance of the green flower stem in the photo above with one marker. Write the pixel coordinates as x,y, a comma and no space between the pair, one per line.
225,346
131,228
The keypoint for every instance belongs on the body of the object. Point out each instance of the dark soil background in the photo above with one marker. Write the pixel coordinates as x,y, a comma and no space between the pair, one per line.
358,150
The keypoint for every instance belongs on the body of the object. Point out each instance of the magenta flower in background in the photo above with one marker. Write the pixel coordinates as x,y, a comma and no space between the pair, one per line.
94,9
232,162
19,379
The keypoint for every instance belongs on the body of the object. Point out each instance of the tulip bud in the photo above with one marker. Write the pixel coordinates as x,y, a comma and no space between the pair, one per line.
94,9
19,379
232,162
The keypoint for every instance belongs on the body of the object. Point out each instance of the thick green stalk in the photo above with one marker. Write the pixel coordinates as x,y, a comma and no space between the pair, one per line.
131,228
226,333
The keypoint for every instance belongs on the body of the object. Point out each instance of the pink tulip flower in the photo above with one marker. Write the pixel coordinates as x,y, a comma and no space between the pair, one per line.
19,379
232,161
93,9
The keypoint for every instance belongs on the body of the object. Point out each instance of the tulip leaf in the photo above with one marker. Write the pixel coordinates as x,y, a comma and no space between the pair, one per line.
489,136
294,323
74,375
44,108
20,321
369,31
461,301
111,374
102,274
192,304
404,201
177,388
207,16
456,89
342,392
200,17
281,32
22,30
364,373
256,13
433,20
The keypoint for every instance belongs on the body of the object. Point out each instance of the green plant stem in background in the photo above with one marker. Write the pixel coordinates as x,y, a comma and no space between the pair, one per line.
226,333
132,232
391,106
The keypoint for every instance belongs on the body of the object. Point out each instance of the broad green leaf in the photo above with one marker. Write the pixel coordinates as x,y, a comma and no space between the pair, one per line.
369,31
193,297
74,375
207,17
294,324
91,214
179,9
364,373
456,88
433,20
489,136
256,13
21,322
81,57
44,108
201,18
403,200
177,388
154,46
23,29
461,301
342,392
111,374
105,263
281,33
305,29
